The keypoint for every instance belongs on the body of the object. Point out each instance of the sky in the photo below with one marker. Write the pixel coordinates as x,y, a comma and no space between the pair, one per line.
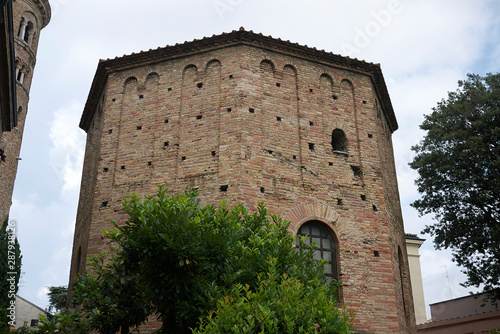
424,48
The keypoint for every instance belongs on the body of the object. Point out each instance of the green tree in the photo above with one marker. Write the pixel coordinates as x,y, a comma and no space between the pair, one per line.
57,298
458,162
279,305
177,260
10,273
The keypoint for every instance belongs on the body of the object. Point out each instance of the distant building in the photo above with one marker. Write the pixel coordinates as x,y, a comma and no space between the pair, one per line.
465,315
20,24
413,243
27,312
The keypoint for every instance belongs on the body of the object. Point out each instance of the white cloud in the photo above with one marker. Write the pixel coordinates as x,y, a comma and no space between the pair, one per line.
68,146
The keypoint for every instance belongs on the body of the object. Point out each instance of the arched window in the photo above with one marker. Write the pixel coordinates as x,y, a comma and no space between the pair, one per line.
339,141
402,278
326,246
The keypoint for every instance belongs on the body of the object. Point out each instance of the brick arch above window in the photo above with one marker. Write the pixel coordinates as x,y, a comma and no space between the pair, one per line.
311,211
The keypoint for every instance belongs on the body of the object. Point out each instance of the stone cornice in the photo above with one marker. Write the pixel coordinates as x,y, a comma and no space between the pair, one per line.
44,8
236,37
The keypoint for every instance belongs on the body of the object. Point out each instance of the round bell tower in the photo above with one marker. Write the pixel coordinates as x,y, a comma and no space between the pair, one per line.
29,17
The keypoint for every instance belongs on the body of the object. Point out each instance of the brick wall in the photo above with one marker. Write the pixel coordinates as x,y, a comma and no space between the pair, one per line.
249,124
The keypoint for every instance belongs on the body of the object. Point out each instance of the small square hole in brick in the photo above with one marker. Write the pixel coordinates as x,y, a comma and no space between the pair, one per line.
251,110
224,187
166,120
122,167
335,97
183,158
294,157
363,197
199,117
262,189
330,164
229,109
150,163
165,144
311,146
270,152
113,100
139,128
339,201
141,96
104,204
376,253
230,76
278,119
310,90
105,169
213,153
311,123
364,102
370,135
356,170
199,84
110,131
278,84
169,89
374,207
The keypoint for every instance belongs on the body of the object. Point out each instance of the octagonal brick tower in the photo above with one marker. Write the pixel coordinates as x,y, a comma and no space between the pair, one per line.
249,118
29,17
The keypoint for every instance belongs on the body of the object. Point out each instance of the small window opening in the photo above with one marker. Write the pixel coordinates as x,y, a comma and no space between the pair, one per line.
330,164
278,84
229,109
141,96
335,97
139,128
224,187
199,116
105,169
339,141
363,197
356,170
262,189
294,157
311,146
213,153
122,167
199,84
278,119
376,253
251,110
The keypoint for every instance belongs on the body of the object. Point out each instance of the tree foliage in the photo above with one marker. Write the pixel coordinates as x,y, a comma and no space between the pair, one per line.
10,273
180,262
458,163
57,298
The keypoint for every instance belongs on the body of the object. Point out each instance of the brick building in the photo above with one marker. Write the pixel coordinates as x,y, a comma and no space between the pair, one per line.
249,118
28,19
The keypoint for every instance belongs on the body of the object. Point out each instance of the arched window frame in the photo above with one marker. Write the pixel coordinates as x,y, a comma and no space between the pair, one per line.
339,141
327,245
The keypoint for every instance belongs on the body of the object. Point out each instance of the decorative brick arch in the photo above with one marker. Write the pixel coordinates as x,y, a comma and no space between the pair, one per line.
311,211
